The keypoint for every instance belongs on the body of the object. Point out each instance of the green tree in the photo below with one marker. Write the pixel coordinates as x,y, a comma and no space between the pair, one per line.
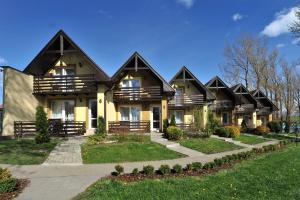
198,119
42,126
101,127
173,121
295,26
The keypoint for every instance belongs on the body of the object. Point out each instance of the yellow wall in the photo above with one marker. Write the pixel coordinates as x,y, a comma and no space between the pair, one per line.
111,114
189,88
19,102
164,110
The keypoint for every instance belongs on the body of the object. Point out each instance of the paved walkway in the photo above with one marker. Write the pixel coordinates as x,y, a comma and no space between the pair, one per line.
66,153
232,141
62,182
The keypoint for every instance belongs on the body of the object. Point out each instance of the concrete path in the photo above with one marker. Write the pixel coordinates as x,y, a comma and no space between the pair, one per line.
62,182
158,137
66,153
232,141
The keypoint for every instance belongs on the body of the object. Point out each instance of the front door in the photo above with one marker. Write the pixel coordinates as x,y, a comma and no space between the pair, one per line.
155,118
92,113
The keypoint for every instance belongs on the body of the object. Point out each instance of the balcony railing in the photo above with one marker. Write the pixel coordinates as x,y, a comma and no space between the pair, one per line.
129,126
244,108
127,94
264,111
221,105
186,100
74,84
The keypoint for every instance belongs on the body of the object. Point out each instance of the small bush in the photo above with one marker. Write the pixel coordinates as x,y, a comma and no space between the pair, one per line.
287,127
212,123
274,126
189,167
196,166
234,131
95,139
119,169
172,121
222,132
209,165
135,171
101,127
174,133
165,125
8,185
4,174
148,170
244,125
177,169
262,130
164,169
218,161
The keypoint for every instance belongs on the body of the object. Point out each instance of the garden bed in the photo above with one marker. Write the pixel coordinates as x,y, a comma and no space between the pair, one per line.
21,184
208,145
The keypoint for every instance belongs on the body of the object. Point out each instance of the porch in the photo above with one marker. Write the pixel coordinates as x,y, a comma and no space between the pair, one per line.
142,126
56,128
186,101
137,94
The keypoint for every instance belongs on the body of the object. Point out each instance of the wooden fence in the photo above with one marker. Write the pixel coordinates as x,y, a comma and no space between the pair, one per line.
129,126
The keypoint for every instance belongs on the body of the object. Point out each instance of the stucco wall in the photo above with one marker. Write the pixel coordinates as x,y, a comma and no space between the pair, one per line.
19,102
189,88
111,113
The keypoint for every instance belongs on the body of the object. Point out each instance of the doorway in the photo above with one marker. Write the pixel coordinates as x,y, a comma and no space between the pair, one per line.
155,119
93,113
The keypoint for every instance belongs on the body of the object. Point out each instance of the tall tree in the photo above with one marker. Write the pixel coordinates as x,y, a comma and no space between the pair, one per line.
295,26
297,92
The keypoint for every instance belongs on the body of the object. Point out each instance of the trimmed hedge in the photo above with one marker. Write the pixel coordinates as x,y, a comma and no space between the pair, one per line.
234,131
164,169
148,170
262,130
174,133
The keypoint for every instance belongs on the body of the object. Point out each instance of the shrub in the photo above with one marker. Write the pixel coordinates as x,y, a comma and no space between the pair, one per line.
164,169
262,130
174,133
177,169
165,125
196,166
135,171
244,125
274,126
198,119
234,131
212,123
4,174
209,165
148,170
101,127
94,139
189,167
287,127
8,185
222,132
119,169
172,121
42,126
218,161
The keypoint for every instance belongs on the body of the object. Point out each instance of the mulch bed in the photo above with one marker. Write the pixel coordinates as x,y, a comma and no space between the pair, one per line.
22,183
140,177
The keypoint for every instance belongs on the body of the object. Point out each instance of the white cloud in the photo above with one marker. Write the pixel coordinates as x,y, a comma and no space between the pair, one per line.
237,17
2,61
296,41
186,3
280,45
281,23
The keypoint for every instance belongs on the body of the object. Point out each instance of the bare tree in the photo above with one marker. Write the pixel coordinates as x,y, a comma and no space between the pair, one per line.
295,27
237,67
297,92
288,83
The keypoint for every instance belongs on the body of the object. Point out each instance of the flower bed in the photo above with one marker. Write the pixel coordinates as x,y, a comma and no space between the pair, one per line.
196,168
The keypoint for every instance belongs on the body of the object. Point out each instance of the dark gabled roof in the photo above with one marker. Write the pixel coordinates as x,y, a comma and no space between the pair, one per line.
240,89
260,96
218,81
137,57
50,54
189,76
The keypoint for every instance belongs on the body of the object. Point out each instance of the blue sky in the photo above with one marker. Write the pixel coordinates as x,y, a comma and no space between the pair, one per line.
167,33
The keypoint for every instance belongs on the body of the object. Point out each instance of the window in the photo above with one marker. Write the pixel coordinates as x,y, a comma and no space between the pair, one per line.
178,96
130,113
178,116
131,83
63,109
225,118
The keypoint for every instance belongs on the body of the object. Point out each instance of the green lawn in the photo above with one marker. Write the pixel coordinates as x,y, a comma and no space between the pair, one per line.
208,145
250,139
273,176
129,149
24,151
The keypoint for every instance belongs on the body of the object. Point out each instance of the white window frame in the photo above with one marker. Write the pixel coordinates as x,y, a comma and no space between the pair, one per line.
63,110
130,113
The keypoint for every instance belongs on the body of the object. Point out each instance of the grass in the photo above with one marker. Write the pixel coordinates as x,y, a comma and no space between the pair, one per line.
208,145
246,139
272,176
25,151
128,149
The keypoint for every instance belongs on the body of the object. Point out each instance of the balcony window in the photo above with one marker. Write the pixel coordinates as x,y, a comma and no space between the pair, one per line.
130,113
131,83
63,109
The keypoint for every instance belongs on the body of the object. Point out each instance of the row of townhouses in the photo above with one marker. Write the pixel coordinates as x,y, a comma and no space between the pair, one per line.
74,90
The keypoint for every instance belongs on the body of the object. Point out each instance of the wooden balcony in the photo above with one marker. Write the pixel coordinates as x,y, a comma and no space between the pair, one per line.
220,105
56,128
186,101
129,126
136,94
69,84
244,108
264,111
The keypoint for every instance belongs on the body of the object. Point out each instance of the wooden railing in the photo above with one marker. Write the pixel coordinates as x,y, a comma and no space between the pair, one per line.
221,105
64,84
56,128
264,111
185,126
129,126
244,108
186,100
126,94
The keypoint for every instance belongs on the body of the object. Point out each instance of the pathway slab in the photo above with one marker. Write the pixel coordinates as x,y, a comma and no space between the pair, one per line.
66,153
